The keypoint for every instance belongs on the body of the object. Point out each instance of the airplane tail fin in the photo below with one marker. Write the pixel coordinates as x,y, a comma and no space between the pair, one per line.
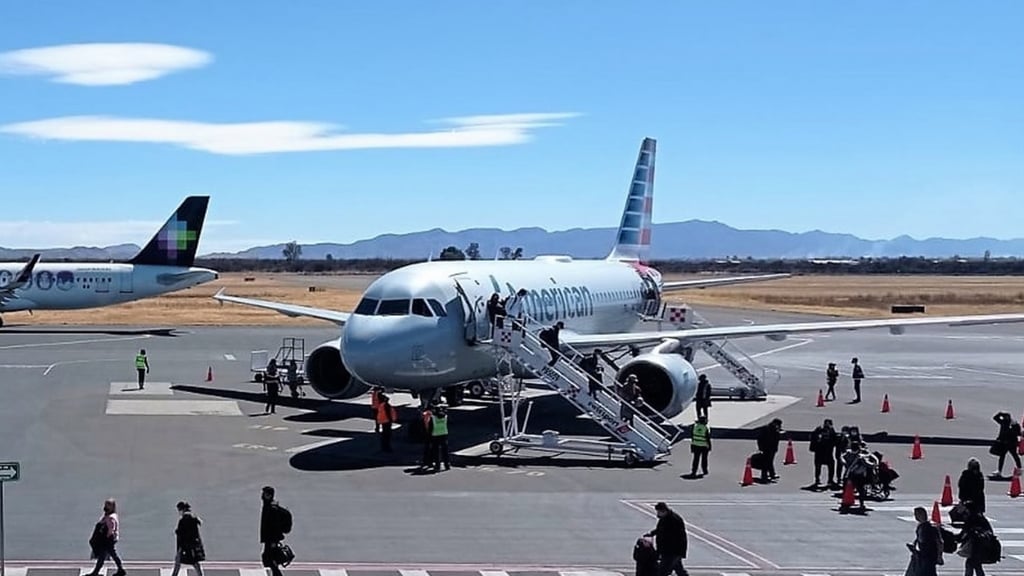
175,244
633,240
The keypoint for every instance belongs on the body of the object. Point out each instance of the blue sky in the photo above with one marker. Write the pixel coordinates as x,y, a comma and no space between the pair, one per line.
874,118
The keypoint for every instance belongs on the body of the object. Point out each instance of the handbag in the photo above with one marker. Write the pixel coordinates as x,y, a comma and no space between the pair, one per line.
284,554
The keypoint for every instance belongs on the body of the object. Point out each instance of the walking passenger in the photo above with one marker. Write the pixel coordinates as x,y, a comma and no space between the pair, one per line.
628,398
768,443
823,445
1006,442
275,522
971,486
549,336
105,537
975,528
669,540
831,378
927,546
190,549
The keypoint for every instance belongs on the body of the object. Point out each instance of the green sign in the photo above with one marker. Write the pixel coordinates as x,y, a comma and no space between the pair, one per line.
10,471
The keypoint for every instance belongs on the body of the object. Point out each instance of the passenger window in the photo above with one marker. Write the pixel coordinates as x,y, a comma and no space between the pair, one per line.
420,308
393,308
366,307
437,308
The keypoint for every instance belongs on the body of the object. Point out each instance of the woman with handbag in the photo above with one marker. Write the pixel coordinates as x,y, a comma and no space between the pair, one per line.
189,544
970,537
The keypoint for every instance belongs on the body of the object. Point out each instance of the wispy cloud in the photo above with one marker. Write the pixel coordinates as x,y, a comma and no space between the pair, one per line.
102,64
50,234
285,136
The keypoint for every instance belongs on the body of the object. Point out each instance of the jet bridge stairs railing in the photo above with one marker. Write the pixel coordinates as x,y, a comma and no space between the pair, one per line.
643,440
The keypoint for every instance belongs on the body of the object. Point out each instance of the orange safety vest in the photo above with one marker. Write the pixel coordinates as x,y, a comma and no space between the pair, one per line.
386,413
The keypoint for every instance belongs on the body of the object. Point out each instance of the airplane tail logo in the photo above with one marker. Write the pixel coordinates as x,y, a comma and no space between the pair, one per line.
633,241
176,243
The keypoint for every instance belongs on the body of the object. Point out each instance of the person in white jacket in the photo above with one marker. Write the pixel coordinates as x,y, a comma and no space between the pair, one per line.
515,308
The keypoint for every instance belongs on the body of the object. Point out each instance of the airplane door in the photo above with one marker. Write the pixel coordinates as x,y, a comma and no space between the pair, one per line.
652,298
127,277
474,315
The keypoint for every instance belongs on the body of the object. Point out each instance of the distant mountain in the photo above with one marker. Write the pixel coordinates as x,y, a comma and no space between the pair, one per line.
693,239
118,252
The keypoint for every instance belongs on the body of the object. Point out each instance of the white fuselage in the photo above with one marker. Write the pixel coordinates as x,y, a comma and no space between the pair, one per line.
423,351
56,286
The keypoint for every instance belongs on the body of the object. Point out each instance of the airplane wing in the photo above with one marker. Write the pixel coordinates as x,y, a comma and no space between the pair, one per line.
780,331
20,280
711,282
292,310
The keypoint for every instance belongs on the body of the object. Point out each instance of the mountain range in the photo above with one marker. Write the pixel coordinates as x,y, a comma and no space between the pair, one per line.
693,239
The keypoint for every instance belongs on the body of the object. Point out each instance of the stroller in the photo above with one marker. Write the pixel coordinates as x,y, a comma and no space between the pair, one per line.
869,472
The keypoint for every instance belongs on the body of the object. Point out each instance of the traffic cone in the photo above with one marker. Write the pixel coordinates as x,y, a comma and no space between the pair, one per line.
947,493
916,453
847,501
936,514
1015,484
949,410
821,399
209,374
885,404
790,455
748,475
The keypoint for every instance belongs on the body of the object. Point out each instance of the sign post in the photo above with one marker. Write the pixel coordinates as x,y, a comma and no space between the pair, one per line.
9,472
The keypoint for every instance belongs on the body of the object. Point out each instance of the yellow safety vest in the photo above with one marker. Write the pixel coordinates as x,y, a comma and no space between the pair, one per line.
699,437
440,426
140,361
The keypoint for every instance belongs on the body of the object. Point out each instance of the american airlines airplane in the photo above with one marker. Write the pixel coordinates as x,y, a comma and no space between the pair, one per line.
163,265
424,327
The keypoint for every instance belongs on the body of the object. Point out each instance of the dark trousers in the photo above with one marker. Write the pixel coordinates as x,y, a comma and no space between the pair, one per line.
1013,454
856,388
142,377
385,437
428,450
831,391
101,557
667,563
702,409
441,452
270,559
824,460
973,568
700,456
272,393
769,466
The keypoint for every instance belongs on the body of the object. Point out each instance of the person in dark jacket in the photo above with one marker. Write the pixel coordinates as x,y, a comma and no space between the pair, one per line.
975,524
190,549
858,375
1006,441
591,366
646,558
831,378
823,445
927,547
549,336
971,486
271,531
703,397
842,445
768,444
670,541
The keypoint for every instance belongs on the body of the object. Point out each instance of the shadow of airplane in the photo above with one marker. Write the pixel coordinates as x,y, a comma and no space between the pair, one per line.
163,332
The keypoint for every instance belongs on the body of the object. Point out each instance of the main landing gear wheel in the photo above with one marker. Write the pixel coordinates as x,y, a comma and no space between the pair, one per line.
631,459
475,389
496,448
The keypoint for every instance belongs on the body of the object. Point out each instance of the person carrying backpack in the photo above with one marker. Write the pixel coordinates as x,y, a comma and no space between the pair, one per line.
190,549
275,522
1006,441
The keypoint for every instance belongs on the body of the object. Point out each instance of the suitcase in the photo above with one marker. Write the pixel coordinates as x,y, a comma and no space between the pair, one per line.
758,461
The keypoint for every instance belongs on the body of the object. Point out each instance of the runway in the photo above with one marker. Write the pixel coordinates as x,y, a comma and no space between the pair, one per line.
70,415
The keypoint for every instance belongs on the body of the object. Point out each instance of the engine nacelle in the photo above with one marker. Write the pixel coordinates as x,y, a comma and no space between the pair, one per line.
668,382
326,373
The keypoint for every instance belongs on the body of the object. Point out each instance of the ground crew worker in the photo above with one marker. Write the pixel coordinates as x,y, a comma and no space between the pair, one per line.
831,377
386,416
439,438
272,382
858,375
375,406
428,440
142,367
703,397
700,445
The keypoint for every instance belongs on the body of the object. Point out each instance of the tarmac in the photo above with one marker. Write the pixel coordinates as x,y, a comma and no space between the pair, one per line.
73,418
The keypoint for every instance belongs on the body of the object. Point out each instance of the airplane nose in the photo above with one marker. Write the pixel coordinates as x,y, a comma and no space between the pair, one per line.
384,351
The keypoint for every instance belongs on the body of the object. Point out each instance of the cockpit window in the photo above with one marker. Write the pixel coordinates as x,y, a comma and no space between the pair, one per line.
393,308
367,307
438,309
420,308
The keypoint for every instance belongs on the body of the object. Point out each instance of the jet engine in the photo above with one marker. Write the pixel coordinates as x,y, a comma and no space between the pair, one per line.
668,382
326,373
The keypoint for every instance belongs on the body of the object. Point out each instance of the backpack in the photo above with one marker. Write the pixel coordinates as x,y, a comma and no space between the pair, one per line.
949,543
99,538
284,516
987,547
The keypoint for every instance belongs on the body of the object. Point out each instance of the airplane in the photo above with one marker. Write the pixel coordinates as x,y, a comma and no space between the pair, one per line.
422,328
164,265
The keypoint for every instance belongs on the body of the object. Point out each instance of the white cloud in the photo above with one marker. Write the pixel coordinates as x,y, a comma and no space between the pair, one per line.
103,64
268,137
49,234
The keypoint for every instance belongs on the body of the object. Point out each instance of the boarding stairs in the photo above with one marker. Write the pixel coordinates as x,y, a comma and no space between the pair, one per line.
643,440
756,379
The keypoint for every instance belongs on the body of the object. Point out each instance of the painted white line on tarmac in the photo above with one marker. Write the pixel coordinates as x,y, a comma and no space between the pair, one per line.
73,342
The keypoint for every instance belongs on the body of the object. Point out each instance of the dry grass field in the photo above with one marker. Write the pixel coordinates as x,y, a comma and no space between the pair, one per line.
849,296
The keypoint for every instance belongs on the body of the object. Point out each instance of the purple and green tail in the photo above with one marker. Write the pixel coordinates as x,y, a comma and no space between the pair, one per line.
176,243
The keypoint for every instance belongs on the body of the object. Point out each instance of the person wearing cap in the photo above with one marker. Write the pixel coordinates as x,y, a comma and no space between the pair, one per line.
669,540
628,398
768,443
858,375
700,445
703,397
190,550
831,378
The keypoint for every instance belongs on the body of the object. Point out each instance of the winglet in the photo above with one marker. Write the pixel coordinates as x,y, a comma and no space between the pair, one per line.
176,242
633,240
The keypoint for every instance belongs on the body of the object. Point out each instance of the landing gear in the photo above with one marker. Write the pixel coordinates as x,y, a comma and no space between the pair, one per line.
476,389
454,395
496,448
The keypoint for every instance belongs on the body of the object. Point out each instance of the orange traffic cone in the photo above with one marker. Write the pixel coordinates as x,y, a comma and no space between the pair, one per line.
790,455
847,501
885,404
947,493
821,399
1015,484
748,475
209,374
936,514
916,453
949,410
